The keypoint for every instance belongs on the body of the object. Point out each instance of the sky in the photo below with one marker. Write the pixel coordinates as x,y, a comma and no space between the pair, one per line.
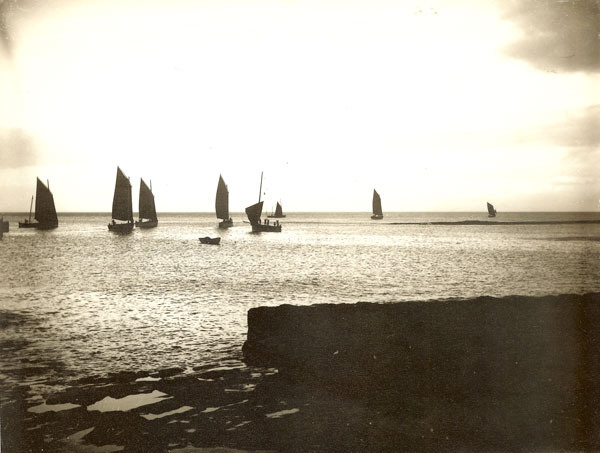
439,105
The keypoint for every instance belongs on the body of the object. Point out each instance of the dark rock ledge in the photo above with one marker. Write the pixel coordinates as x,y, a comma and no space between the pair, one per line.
513,372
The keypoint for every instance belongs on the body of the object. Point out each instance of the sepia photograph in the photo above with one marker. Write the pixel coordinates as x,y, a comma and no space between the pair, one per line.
236,226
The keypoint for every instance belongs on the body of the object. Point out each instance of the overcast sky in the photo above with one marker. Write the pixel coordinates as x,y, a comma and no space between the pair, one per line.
439,105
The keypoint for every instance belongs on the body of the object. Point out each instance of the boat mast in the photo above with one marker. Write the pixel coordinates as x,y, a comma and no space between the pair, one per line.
30,208
260,190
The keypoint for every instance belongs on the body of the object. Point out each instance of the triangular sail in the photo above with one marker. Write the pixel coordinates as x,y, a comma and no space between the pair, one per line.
278,210
147,207
45,211
222,200
491,210
253,212
376,203
122,206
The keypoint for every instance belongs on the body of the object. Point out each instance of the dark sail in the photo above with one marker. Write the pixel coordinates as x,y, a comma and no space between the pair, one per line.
45,212
253,212
147,207
121,208
377,204
222,200
278,210
491,210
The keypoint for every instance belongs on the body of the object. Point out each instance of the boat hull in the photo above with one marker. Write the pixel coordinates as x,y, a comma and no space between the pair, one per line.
27,224
275,216
121,227
211,241
146,223
226,224
265,228
376,217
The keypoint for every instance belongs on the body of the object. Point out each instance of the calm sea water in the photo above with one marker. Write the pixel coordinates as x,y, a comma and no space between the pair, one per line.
95,302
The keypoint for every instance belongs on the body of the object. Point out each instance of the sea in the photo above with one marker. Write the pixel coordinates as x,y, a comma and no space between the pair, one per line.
83,301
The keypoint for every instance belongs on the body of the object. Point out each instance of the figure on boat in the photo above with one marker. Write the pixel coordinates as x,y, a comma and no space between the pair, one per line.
254,212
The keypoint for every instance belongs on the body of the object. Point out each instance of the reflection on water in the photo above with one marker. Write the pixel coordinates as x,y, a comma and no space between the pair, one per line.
79,301
128,402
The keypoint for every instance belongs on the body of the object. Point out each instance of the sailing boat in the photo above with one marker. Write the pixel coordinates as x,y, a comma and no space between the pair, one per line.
491,210
121,207
45,211
222,204
377,212
254,212
278,212
146,207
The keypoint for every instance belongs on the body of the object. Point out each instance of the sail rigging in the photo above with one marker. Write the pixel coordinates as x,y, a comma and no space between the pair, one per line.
122,206
222,200
254,212
146,204
377,204
45,211
278,210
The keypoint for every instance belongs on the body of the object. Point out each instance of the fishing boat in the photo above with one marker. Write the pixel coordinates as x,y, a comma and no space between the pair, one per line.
278,212
211,241
377,212
45,211
122,207
491,210
222,204
147,208
254,212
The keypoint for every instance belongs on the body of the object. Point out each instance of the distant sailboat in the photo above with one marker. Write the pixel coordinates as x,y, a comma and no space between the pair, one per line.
254,212
45,211
122,207
278,212
377,212
147,214
491,210
222,204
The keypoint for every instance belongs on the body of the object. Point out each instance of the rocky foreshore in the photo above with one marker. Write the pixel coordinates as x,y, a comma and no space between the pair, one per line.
517,373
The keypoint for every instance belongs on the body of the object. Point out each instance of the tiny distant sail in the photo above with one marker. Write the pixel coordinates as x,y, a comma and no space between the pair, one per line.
222,200
147,207
278,210
122,206
253,212
45,211
377,204
491,210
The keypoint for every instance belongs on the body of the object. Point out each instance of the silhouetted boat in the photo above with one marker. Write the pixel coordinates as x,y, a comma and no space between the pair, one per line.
254,212
209,240
491,210
278,212
377,212
147,208
121,207
45,211
222,204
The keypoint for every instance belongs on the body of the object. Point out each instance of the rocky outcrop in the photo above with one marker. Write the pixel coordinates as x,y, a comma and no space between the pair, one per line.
525,362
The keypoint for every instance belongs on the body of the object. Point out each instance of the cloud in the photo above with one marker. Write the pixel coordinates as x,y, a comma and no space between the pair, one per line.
558,35
17,149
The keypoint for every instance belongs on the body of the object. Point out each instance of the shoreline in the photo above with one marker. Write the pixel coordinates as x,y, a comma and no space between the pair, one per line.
316,385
